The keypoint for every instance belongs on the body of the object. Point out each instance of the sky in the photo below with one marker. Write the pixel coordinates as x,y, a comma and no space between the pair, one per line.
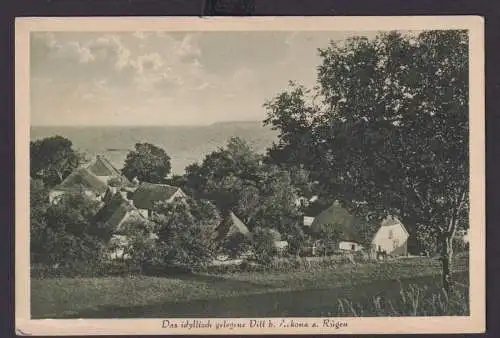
166,78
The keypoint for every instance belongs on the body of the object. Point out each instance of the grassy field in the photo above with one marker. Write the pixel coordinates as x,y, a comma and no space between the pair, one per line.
403,287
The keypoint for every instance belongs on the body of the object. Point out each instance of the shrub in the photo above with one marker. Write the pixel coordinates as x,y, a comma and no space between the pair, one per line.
263,243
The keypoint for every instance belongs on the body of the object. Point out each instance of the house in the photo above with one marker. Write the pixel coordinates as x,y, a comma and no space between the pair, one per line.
462,235
114,216
304,202
82,179
337,219
101,167
147,194
356,234
281,247
308,221
391,237
92,178
231,225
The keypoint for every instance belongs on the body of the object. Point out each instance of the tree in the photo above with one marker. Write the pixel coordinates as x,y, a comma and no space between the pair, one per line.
147,163
235,244
387,126
227,177
69,235
39,203
186,232
263,243
140,244
52,159
276,207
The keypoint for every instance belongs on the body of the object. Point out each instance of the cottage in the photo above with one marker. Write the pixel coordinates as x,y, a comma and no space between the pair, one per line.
147,194
115,215
391,237
91,178
101,167
230,226
308,221
81,179
356,234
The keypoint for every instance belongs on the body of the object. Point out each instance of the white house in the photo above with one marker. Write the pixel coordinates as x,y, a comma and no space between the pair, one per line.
354,234
391,237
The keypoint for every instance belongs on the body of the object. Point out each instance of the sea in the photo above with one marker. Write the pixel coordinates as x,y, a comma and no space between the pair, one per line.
184,144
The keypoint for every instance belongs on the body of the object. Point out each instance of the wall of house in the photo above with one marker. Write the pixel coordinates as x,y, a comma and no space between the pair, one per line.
350,246
393,239
54,195
177,194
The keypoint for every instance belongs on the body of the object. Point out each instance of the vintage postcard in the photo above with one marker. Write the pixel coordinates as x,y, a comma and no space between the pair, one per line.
250,175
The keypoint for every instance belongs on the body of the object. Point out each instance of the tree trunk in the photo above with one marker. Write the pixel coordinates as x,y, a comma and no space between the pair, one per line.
446,258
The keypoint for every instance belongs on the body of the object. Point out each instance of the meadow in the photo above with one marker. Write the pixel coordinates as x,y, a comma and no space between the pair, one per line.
405,287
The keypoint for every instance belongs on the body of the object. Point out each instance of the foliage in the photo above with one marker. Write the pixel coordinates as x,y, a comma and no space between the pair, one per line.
115,182
263,243
399,103
52,159
296,239
139,245
261,194
235,244
227,177
64,233
185,230
39,203
147,162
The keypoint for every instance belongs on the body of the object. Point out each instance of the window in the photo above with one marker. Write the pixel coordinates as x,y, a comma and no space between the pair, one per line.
390,234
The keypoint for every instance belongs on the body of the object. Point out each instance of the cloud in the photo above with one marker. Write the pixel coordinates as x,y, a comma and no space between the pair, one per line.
164,77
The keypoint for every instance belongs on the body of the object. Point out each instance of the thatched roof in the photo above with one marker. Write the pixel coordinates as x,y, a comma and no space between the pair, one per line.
114,211
349,227
101,166
82,177
147,194
231,224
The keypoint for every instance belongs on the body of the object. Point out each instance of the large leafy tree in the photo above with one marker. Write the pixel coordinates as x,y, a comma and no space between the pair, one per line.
65,234
387,126
139,246
52,159
186,232
147,162
235,179
39,203
227,177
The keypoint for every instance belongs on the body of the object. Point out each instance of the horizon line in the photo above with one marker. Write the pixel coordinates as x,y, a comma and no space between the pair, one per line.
146,125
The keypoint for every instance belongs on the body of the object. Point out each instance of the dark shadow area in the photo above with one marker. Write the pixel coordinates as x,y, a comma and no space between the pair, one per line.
213,280
303,303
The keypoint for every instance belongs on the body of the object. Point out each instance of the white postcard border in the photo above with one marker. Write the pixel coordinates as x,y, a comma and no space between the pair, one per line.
473,323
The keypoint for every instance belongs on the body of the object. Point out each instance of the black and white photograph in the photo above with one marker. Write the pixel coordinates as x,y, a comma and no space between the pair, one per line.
260,178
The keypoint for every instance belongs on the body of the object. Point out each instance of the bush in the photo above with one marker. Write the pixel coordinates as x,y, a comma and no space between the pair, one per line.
263,243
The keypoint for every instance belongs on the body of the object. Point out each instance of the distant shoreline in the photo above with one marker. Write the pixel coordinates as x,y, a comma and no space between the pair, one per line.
219,123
